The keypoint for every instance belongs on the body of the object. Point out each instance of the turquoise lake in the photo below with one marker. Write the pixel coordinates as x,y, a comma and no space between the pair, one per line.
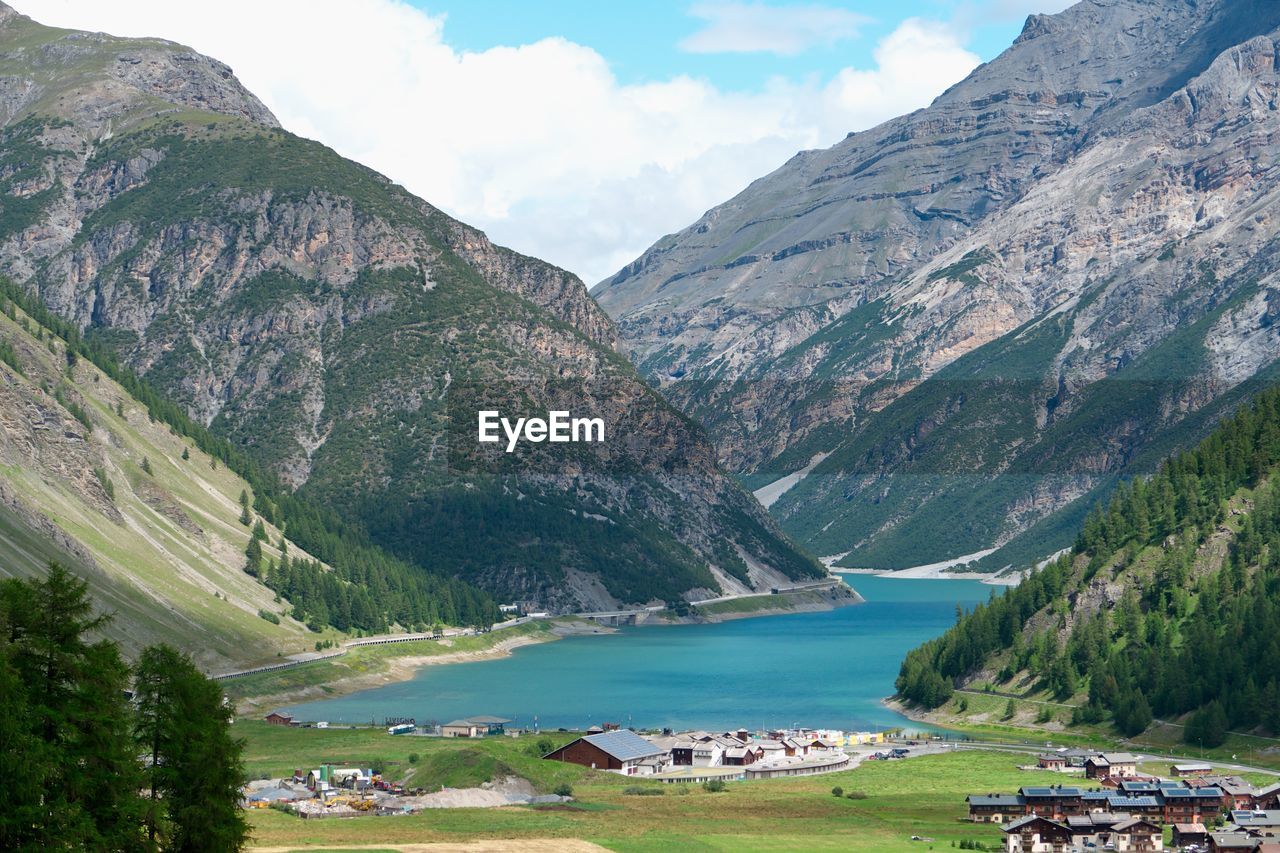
827,669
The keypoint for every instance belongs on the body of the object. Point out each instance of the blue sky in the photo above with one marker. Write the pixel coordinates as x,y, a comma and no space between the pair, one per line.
641,41
578,132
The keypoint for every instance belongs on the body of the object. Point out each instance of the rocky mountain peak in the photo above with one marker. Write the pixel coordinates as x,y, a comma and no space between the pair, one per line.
99,80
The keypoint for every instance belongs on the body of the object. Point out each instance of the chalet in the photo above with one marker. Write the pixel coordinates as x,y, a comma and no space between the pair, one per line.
460,728
1188,834
1184,770
1137,834
1236,792
1076,757
1053,801
1051,761
622,751
995,808
1184,804
276,718
795,748
1145,806
1095,830
1034,834
1111,765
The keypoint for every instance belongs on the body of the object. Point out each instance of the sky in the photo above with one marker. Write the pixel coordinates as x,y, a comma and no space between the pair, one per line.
578,132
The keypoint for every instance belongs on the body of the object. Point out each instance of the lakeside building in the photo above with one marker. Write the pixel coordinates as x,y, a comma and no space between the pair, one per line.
1122,833
621,751
1164,803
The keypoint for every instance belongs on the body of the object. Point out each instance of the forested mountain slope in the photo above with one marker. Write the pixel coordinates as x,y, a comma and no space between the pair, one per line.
1168,603
981,315
343,334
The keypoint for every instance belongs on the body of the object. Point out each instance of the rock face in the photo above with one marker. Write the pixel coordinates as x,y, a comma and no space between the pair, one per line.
346,332
991,308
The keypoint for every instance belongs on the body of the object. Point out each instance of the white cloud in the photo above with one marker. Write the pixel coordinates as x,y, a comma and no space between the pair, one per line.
759,28
538,144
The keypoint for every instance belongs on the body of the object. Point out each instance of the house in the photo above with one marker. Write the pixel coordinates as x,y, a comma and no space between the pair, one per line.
1236,792
1233,842
1051,761
1185,804
771,750
1034,834
1075,756
460,728
622,751
1138,834
1187,834
1113,765
1183,770
1267,798
276,718
708,753
1053,801
995,808
1261,822
1094,830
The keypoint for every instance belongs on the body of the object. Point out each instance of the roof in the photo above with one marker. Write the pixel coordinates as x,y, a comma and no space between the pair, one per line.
1188,768
1119,758
995,800
1050,791
1247,817
1233,839
1189,828
1132,822
463,724
1132,802
1014,826
487,721
623,744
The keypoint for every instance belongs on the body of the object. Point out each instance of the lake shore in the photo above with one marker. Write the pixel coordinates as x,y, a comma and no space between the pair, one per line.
367,667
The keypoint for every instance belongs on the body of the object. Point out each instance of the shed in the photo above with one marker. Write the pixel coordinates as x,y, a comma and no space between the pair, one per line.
622,751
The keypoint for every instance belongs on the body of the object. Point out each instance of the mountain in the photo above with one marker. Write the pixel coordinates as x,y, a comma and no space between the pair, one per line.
954,331
1166,605
162,546
344,334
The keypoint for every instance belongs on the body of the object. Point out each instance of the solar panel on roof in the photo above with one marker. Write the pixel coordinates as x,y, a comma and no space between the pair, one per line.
624,745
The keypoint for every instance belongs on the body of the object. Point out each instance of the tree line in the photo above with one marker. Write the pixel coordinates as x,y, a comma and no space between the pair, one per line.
100,755
1187,636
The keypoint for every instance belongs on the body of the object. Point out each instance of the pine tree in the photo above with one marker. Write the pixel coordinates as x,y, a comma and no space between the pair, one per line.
194,767
253,556
146,465
245,518
186,454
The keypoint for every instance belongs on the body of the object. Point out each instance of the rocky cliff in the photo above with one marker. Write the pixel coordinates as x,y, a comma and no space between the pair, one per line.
345,332
985,312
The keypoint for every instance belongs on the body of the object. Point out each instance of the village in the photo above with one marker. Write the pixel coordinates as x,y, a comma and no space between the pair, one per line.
691,757
1126,810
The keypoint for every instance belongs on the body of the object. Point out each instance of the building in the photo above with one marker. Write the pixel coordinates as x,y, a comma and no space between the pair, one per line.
1111,765
1233,842
1051,761
1268,797
1184,804
1034,834
1094,830
1053,801
1138,834
1187,834
494,725
1183,770
996,808
276,718
622,752
460,728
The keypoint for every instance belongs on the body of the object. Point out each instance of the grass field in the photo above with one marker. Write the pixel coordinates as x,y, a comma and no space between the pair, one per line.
919,796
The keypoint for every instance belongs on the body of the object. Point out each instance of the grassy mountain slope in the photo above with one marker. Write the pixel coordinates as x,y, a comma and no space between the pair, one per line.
344,333
1166,605
163,550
